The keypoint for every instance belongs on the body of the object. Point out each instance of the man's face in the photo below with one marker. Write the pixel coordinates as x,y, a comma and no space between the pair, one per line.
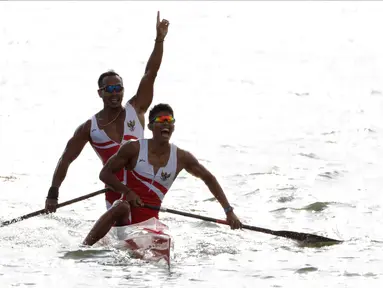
112,91
162,126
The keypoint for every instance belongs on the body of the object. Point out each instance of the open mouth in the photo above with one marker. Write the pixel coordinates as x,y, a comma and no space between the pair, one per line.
165,132
115,100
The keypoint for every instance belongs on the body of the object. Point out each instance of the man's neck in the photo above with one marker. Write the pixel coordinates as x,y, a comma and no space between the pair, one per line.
109,111
158,147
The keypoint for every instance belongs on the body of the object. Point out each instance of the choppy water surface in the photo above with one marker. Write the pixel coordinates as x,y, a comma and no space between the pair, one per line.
282,101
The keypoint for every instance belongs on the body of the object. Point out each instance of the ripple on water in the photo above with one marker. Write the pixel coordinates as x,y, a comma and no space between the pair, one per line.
349,274
330,174
84,254
306,270
284,199
314,207
253,192
8,178
309,155
203,249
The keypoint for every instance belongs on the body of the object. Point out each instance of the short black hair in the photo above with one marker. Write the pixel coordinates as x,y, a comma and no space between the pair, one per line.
160,108
106,74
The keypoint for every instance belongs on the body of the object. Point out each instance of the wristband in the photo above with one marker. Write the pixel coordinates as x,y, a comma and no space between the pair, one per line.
53,193
228,209
158,41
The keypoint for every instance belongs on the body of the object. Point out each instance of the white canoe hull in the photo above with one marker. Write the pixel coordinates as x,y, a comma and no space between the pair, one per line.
148,240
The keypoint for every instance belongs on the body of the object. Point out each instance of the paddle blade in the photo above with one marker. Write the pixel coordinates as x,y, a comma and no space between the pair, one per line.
298,236
18,219
307,238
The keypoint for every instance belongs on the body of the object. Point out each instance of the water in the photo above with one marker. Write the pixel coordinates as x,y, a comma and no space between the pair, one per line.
281,101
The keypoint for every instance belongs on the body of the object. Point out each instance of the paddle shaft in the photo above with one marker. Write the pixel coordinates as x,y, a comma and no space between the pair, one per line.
42,211
286,234
209,219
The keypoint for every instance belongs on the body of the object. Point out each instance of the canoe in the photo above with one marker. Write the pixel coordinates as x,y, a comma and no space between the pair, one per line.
149,240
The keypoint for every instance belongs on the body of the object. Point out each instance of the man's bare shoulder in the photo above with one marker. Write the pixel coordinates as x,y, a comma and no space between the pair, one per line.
130,147
83,130
86,125
184,156
180,152
132,143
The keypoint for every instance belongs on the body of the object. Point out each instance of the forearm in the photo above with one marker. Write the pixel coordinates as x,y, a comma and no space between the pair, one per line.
155,59
60,173
111,180
217,191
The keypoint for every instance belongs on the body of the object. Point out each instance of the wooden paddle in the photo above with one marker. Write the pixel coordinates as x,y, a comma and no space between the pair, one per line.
307,238
42,211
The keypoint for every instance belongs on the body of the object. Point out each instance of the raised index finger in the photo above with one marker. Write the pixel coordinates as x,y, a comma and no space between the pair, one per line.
158,17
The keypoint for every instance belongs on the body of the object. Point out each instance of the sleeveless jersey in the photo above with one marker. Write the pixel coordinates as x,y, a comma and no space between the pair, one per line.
149,187
106,147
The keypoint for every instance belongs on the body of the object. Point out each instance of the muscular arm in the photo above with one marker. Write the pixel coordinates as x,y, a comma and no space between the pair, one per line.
72,150
144,96
118,161
192,166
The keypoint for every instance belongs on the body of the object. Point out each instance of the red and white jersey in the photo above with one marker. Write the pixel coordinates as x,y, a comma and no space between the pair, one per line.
106,147
149,187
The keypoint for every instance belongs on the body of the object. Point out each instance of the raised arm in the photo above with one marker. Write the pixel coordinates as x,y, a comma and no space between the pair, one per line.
144,96
194,167
72,150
